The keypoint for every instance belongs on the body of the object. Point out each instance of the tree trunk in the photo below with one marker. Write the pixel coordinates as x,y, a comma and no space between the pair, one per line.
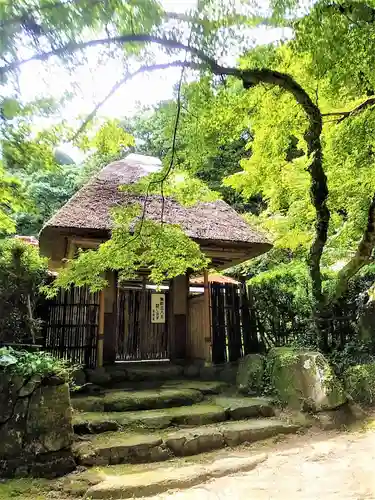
361,257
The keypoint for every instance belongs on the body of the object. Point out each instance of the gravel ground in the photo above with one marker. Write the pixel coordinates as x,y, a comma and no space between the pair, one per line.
328,466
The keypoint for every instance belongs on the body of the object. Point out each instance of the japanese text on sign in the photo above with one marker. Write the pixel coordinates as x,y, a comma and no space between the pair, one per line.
157,308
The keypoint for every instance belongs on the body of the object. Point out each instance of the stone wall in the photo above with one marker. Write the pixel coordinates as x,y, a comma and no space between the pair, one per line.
36,432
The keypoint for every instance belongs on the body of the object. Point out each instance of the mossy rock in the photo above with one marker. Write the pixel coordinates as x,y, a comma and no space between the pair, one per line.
304,380
49,420
360,383
250,374
200,414
137,400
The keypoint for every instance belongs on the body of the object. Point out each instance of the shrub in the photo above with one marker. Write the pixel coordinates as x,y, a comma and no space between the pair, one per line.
22,272
360,383
27,364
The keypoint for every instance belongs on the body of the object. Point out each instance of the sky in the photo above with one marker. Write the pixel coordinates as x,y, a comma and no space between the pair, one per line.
92,81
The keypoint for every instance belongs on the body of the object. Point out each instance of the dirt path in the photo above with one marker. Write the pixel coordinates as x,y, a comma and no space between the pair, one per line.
326,467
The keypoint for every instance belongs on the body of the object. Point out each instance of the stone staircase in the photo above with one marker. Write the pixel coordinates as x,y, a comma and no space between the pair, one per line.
150,421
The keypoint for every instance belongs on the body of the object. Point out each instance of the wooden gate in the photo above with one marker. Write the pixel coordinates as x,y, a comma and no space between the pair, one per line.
137,337
70,326
233,327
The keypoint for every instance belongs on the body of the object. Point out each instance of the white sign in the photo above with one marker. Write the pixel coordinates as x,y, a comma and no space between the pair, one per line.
157,308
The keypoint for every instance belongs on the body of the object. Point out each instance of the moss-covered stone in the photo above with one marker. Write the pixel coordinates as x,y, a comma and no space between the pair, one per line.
114,448
12,432
191,371
153,372
304,380
49,424
250,374
30,386
99,376
138,400
96,422
9,387
153,482
229,373
205,387
359,383
78,377
244,407
36,436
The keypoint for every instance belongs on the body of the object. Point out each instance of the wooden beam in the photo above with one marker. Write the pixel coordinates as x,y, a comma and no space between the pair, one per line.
71,249
86,242
100,345
207,328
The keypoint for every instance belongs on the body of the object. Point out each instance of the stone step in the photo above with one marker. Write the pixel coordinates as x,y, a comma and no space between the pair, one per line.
113,448
239,407
216,409
113,401
146,371
199,414
205,387
161,479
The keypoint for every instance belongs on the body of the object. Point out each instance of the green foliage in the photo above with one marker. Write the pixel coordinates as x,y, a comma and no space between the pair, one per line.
48,25
26,151
103,145
355,352
39,186
360,383
27,489
212,134
27,364
136,244
46,191
283,302
109,140
22,272
287,286
252,138
12,199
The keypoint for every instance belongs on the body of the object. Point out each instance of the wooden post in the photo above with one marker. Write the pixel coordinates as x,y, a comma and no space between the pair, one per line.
180,291
110,318
207,327
100,345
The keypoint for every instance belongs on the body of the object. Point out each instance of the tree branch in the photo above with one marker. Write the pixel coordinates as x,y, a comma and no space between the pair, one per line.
358,109
250,78
123,39
361,107
123,81
362,255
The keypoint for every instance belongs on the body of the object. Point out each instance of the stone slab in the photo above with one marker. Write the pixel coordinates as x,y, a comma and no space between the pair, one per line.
120,447
199,414
249,431
205,387
245,407
117,447
142,400
152,372
163,479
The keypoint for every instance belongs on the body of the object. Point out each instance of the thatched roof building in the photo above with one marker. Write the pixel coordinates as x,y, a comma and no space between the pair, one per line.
86,218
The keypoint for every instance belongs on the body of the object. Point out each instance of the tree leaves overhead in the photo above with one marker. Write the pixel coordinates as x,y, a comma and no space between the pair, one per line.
136,244
49,24
273,126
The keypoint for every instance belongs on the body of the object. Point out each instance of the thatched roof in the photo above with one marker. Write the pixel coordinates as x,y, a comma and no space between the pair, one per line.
90,207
